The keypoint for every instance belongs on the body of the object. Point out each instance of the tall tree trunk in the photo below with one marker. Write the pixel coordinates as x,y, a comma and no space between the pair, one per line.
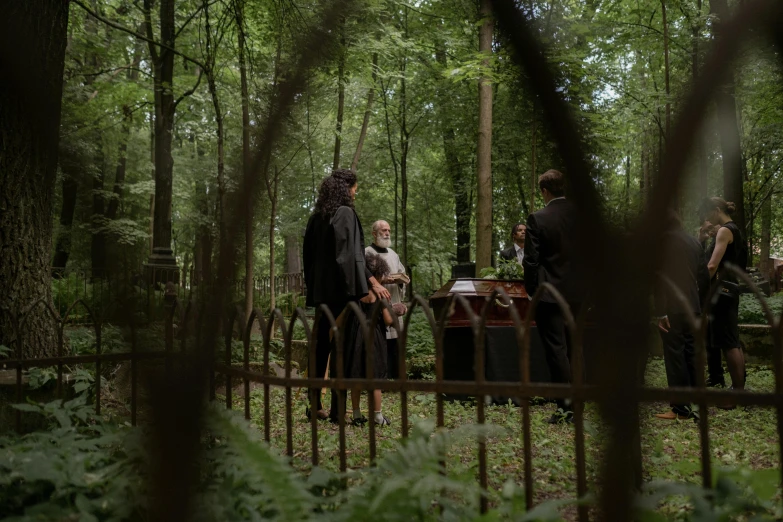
404,147
122,160
163,74
272,188
98,239
393,158
454,167
367,113
293,260
731,150
627,188
484,146
698,148
211,58
239,14
666,67
62,250
533,175
766,235
33,36
340,97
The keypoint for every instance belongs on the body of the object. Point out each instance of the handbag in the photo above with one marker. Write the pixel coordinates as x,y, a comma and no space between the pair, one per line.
729,290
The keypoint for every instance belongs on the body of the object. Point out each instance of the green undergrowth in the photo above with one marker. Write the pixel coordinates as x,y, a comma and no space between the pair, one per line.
88,467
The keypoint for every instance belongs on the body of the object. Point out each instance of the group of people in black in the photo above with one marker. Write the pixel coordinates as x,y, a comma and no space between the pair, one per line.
339,270
693,265
545,244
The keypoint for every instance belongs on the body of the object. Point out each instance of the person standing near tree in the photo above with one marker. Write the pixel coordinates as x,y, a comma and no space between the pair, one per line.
685,267
516,252
723,328
549,251
334,267
394,282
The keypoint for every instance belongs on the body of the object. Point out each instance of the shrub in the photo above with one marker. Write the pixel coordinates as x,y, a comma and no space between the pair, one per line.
751,312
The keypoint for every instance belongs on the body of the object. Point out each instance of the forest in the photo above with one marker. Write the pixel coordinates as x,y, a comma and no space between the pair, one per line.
162,103
172,151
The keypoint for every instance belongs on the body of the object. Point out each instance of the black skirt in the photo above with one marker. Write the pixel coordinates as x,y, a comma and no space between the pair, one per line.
724,323
355,357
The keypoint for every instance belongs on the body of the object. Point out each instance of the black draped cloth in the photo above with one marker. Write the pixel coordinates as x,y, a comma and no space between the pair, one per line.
355,359
333,255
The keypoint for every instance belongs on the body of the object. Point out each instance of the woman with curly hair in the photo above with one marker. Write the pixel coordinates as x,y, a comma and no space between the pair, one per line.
334,267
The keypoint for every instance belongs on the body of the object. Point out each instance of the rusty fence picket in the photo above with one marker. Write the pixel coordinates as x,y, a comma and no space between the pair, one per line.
578,391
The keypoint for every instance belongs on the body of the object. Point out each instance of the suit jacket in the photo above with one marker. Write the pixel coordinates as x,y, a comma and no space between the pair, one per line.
509,254
685,264
550,250
333,256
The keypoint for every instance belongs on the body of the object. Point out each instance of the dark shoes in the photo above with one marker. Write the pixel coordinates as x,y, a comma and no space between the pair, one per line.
561,417
320,414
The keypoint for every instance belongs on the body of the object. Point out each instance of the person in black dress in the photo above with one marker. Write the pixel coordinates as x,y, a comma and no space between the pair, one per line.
355,359
723,331
549,255
685,266
334,268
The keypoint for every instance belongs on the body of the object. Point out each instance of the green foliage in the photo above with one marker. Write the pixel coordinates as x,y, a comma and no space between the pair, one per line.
506,269
83,468
420,348
751,312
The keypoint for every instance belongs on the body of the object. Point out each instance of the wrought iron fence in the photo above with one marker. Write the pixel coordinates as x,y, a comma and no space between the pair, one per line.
181,337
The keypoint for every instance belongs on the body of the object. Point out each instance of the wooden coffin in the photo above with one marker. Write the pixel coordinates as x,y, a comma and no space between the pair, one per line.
476,292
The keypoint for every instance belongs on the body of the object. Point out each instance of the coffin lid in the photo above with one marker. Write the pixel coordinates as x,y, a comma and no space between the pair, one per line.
481,288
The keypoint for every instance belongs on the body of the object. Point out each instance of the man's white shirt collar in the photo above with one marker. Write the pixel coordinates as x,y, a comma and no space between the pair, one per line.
555,199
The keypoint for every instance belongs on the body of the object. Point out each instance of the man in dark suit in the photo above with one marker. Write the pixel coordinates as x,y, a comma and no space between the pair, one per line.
516,252
685,265
549,252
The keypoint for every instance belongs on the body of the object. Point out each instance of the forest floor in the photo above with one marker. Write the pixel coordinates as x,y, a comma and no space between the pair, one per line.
740,439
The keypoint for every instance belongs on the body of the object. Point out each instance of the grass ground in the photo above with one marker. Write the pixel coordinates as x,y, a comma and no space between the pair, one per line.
743,438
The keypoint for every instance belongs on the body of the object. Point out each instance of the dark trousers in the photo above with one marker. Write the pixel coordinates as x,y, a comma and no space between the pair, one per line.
556,341
323,347
679,349
714,365
393,368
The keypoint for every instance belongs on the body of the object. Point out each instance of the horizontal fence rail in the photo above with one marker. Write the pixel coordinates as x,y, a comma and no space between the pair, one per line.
181,341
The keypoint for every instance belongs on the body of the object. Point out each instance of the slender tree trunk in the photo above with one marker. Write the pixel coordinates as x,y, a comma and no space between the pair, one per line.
62,250
698,148
627,188
98,239
393,159
731,149
533,176
484,147
33,37
454,166
404,147
367,113
666,66
240,21
272,187
122,160
340,97
766,235
211,52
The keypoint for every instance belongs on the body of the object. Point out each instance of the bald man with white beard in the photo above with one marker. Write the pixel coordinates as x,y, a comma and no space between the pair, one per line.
381,234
